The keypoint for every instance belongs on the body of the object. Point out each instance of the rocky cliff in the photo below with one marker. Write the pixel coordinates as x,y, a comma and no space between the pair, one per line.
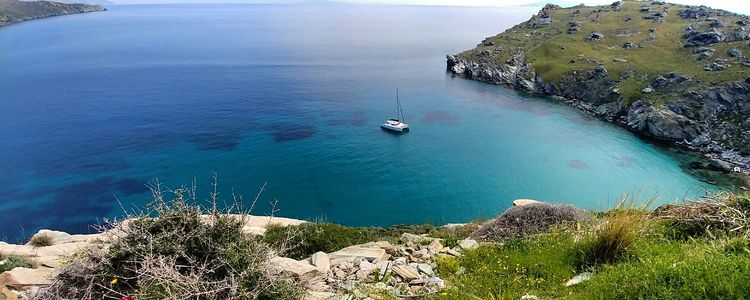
14,11
669,72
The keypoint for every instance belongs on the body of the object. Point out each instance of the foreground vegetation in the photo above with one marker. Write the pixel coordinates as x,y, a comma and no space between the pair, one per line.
695,250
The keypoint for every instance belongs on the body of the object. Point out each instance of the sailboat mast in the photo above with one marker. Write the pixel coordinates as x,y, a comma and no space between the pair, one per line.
399,111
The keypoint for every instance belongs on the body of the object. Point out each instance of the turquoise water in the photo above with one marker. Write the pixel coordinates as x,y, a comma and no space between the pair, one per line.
94,106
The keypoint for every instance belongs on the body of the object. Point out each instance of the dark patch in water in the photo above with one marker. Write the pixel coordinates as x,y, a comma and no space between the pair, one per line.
577,164
71,208
439,117
291,132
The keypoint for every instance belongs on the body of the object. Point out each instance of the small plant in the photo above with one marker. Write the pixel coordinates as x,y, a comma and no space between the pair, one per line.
41,240
615,234
10,262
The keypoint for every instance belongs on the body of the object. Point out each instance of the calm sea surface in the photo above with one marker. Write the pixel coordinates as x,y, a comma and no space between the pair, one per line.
94,106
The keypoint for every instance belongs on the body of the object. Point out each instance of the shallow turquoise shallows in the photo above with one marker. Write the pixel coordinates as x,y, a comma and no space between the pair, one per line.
95,106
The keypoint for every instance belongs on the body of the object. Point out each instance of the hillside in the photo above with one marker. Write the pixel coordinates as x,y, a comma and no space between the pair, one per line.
14,11
671,72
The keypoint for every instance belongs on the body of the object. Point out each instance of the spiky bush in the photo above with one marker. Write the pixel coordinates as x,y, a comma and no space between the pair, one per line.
521,221
176,252
41,240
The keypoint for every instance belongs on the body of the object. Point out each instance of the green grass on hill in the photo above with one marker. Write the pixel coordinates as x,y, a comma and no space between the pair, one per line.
550,48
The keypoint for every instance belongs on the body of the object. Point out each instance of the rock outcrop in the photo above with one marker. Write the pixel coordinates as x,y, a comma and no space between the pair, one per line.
14,11
674,106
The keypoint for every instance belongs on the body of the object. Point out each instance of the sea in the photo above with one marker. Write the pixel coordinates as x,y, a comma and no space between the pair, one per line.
98,109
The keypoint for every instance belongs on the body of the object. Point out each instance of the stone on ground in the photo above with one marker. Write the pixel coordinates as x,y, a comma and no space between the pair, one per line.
293,267
321,261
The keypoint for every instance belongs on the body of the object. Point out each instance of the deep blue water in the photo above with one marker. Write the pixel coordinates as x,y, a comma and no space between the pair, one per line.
94,106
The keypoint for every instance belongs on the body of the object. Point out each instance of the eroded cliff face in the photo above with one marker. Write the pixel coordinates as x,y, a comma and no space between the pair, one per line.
704,116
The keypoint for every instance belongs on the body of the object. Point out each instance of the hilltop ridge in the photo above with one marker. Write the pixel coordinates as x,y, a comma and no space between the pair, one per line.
14,11
671,72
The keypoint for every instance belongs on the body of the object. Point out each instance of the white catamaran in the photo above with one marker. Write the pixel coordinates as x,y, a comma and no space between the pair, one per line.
398,123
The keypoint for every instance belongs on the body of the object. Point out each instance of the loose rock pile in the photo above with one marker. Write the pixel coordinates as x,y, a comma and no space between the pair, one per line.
376,269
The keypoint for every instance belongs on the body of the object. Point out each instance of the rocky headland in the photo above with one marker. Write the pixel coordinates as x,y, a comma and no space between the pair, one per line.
14,11
673,73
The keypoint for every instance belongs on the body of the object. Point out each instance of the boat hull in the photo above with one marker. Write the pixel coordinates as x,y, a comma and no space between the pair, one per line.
396,128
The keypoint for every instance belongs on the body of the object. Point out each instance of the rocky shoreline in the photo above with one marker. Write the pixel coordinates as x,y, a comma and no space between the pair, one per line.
591,95
15,11
709,118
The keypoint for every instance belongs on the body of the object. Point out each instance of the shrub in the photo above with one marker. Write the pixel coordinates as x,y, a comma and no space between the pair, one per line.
520,221
176,254
304,240
41,240
9,262
724,214
611,238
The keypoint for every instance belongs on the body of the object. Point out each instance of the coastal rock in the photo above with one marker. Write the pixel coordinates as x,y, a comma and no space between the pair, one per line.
695,39
660,123
371,254
292,267
22,279
594,36
579,278
468,244
522,202
321,261
669,81
406,272
734,52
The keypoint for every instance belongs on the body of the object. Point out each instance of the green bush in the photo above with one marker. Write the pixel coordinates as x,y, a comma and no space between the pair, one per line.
304,240
177,253
9,262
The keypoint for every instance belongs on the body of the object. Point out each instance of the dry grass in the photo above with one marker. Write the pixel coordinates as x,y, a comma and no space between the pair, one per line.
521,221
41,240
613,236
725,213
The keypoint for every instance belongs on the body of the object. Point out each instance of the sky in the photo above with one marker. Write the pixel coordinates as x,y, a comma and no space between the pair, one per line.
739,6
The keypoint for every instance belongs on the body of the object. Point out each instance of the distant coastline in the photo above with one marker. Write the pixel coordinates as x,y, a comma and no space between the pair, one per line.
15,11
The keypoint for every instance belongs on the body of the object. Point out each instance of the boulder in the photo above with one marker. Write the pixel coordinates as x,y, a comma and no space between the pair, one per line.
695,38
406,272
435,246
522,202
321,261
579,278
21,279
55,237
353,252
292,267
468,244
734,52
669,80
702,53
594,36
